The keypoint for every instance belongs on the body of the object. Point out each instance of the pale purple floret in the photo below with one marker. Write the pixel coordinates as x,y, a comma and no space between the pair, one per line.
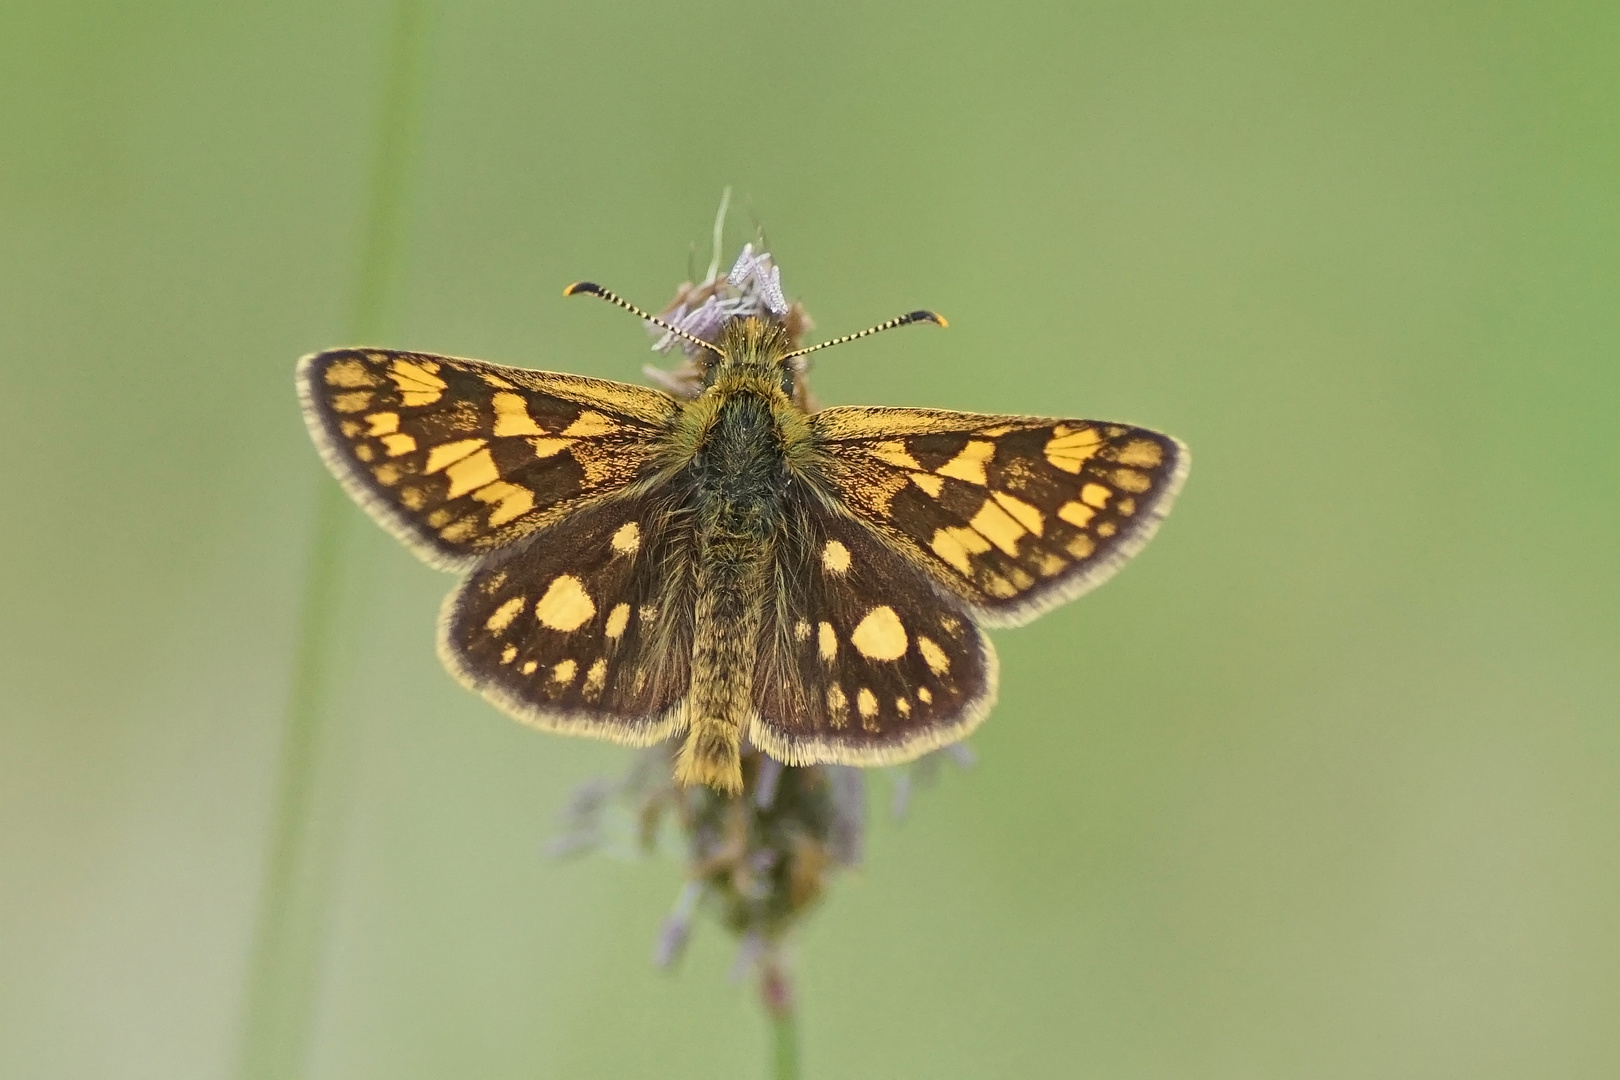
753,286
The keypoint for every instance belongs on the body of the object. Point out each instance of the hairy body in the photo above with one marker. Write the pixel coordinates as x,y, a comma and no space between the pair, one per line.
737,451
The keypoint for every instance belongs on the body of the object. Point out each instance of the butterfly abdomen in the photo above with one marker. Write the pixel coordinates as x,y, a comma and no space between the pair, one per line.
738,479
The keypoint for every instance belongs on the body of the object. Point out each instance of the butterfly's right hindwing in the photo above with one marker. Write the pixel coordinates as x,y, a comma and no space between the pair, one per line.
461,457
863,661
585,627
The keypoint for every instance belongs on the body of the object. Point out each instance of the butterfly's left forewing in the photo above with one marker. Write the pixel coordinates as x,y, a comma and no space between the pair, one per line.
459,458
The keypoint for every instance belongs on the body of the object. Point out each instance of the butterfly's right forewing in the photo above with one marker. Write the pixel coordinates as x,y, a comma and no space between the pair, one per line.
1014,514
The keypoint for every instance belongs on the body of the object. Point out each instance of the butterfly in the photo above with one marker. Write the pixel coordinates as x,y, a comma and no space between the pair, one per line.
639,567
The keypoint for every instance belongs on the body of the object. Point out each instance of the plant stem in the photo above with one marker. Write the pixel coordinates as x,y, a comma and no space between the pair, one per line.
776,993
785,1053
282,978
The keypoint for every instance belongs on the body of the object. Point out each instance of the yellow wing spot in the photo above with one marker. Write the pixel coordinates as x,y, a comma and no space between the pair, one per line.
1125,507
617,620
1020,578
351,428
509,654
564,672
566,606
352,402
398,443
544,448
1132,481
471,473
826,641
414,498
837,705
439,518
1052,565
627,540
512,501
1076,514
969,464
866,702
589,423
1107,529
512,416
528,667
379,424
364,452
935,656
495,381
925,695
503,615
457,531
835,558
997,526
880,636
895,453
1095,495
595,679
446,454
1081,546
1025,514
387,475
996,585
1143,453
998,431
957,546
801,631
1068,448
902,706
349,375
417,383
929,483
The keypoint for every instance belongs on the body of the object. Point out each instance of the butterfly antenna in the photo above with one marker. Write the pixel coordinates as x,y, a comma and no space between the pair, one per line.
593,289
904,320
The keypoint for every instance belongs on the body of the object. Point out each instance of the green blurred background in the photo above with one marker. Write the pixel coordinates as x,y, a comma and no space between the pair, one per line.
1324,785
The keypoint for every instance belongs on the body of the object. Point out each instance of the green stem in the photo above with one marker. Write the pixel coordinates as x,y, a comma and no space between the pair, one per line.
785,1052
282,978
776,994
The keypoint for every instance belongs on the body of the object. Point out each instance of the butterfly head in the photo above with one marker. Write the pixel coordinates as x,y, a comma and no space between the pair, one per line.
752,345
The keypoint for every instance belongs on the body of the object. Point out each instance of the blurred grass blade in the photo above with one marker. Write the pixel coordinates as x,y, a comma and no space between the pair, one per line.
283,973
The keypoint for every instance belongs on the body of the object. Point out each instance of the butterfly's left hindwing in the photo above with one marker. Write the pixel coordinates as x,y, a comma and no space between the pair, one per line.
461,457
583,627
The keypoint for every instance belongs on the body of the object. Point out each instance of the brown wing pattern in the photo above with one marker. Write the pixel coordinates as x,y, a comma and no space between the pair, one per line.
862,661
461,457
1013,514
580,628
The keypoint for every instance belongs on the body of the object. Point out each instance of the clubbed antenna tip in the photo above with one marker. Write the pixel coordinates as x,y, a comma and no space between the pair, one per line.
900,320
